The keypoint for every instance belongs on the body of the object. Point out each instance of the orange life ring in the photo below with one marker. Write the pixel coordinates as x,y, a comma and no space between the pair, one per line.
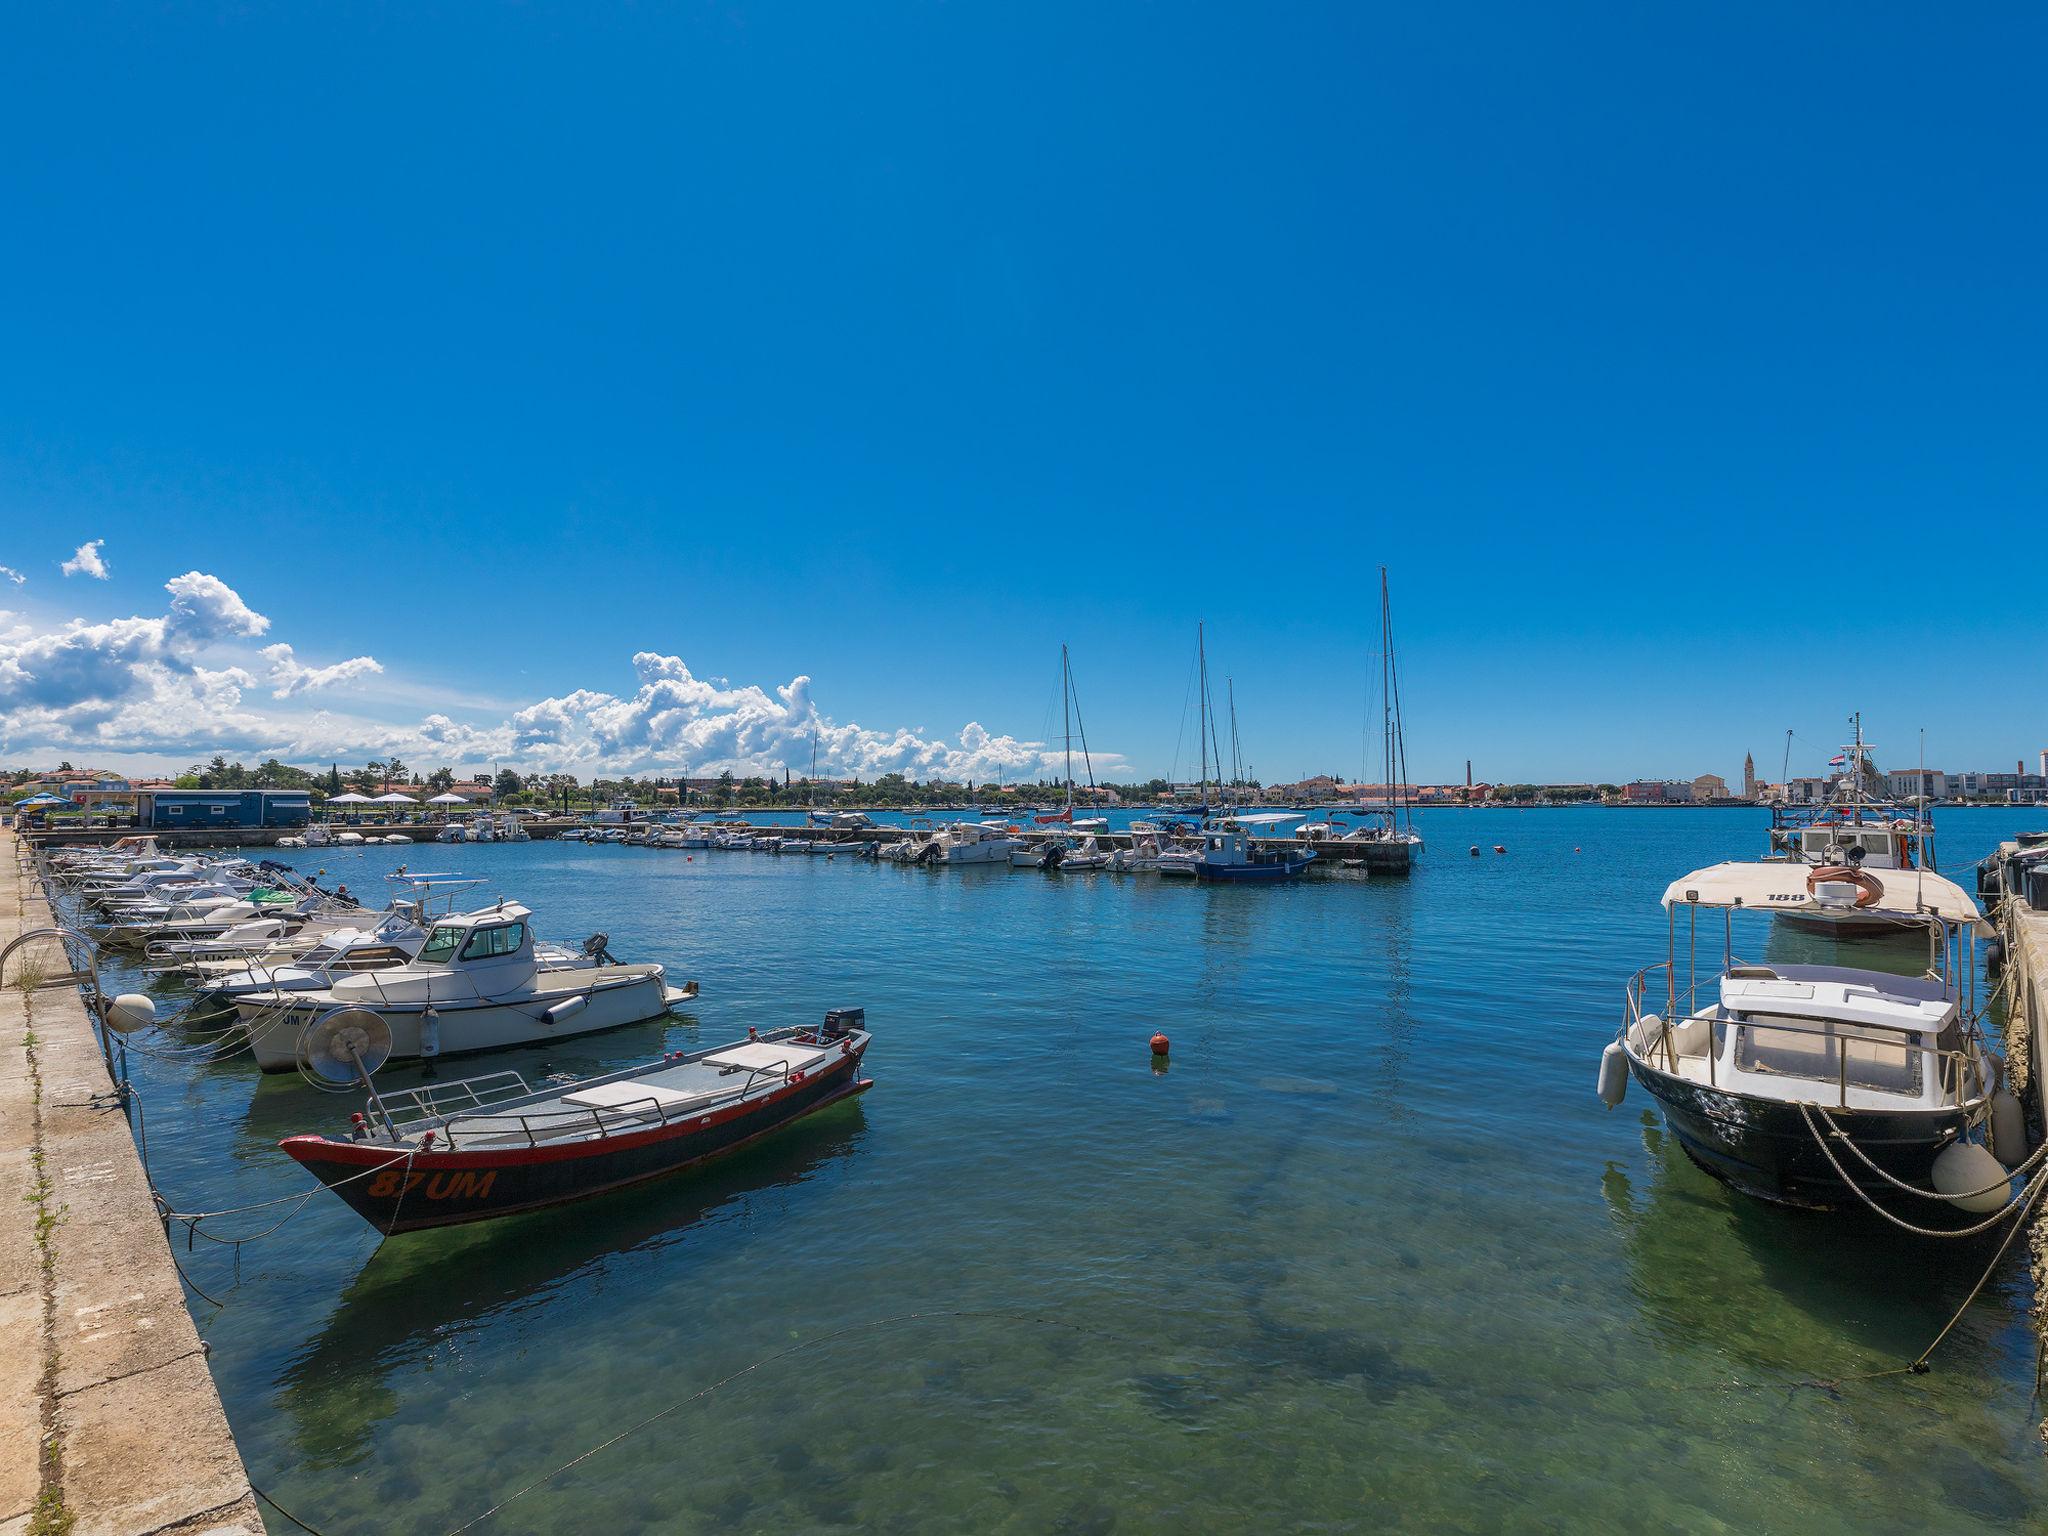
1868,887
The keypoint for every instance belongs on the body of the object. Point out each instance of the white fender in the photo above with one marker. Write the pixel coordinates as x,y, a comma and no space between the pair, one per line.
2008,1128
129,1012
567,1008
1613,1074
430,1034
1962,1167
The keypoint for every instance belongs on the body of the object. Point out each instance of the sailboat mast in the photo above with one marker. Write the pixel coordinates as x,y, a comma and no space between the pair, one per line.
1202,703
1067,716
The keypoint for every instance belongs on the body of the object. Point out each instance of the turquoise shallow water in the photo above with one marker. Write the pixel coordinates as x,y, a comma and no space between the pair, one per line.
1370,1254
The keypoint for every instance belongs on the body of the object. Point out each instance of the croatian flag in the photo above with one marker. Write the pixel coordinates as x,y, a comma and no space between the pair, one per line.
1838,760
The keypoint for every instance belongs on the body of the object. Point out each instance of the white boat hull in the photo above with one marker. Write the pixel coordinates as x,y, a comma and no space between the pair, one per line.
477,1026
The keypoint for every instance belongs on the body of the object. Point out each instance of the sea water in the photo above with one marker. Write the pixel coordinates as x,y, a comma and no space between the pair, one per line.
1367,1253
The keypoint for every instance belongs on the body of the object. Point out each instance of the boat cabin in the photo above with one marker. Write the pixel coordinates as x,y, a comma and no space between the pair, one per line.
467,955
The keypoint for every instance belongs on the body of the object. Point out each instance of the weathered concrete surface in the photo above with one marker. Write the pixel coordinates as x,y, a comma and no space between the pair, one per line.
102,1361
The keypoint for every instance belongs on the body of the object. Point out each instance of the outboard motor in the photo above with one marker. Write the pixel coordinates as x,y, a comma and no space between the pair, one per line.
840,1022
596,947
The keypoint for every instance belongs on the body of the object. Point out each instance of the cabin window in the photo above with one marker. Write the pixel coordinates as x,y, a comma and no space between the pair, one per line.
441,944
506,939
1883,1060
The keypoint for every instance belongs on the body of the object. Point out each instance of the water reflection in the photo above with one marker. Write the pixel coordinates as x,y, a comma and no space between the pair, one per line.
422,1293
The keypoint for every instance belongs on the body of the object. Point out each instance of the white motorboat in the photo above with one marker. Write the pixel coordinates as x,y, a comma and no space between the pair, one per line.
1088,854
477,984
970,842
1824,1086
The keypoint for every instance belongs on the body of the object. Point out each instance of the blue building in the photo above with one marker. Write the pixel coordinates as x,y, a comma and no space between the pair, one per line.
171,809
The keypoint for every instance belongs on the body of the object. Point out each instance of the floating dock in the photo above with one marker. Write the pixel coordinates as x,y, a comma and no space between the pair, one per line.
109,1421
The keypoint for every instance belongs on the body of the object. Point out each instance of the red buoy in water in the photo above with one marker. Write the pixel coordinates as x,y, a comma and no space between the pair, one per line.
1160,1045
1500,848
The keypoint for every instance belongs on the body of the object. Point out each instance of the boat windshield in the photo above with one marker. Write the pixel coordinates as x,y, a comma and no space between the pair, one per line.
1885,1061
441,944
507,939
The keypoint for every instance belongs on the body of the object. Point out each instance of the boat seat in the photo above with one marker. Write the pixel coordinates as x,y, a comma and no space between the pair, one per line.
626,1095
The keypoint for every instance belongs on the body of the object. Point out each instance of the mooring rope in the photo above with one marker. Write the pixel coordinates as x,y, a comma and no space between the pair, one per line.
2031,1194
2032,1160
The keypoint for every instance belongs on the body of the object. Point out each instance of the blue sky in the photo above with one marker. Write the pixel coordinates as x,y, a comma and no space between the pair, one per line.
1684,365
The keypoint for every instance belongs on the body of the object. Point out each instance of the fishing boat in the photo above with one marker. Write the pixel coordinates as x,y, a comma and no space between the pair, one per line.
1823,1086
477,984
1230,851
445,1154
1852,830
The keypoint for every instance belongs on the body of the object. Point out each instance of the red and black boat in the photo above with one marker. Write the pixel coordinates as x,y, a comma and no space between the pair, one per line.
447,1153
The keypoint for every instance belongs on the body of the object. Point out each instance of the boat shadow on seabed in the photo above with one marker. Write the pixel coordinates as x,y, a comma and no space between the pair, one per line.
1845,1271
421,1291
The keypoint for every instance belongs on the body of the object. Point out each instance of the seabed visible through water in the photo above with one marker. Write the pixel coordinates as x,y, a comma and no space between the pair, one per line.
1369,1254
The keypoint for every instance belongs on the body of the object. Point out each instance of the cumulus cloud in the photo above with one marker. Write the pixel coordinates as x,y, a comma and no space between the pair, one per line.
87,562
678,721
289,677
181,682
9,573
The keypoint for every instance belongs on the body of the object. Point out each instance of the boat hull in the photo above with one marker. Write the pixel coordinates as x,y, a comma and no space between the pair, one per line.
1765,1149
1251,874
275,1029
444,1189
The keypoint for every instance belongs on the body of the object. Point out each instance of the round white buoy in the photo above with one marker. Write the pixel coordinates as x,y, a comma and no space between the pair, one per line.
1613,1074
129,1012
2008,1128
1964,1167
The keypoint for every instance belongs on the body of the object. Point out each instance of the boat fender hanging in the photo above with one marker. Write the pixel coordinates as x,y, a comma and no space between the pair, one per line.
2008,1128
430,1033
1963,1167
129,1012
1613,1074
567,1008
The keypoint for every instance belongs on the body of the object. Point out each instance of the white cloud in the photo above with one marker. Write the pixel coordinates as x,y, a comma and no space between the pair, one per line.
87,561
9,573
176,685
289,677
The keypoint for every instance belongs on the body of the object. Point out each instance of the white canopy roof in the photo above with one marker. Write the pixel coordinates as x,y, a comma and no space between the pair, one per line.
394,799
1782,887
349,799
447,800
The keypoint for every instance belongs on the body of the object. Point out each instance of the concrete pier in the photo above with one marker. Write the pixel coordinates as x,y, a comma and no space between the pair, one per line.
109,1421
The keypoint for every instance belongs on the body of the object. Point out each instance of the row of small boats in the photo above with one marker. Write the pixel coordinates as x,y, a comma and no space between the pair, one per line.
316,981
1241,846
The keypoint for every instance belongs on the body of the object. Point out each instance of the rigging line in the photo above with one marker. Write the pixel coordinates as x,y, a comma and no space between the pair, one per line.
870,1326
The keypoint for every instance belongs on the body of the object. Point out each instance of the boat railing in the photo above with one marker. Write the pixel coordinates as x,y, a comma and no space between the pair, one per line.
1954,1067
407,1108
649,1113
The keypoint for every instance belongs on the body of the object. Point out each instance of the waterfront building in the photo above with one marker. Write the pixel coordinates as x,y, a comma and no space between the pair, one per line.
1710,786
1748,776
172,809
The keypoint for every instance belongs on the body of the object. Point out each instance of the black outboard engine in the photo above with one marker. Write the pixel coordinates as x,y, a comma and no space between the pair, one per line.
841,1022
595,948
